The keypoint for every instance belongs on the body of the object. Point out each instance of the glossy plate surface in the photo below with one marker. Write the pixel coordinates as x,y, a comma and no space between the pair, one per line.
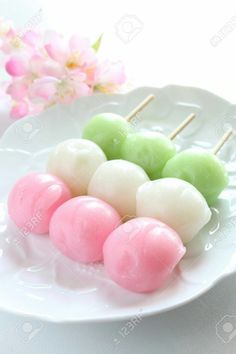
37,281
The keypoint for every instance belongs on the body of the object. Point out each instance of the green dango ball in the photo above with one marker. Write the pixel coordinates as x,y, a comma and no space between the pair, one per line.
202,169
150,150
109,131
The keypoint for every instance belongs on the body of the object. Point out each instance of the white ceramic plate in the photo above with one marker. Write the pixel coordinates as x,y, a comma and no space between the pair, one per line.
37,281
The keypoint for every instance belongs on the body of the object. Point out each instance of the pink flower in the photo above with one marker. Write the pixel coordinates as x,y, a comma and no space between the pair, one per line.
44,89
71,89
52,90
25,65
11,42
74,55
19,110
45,69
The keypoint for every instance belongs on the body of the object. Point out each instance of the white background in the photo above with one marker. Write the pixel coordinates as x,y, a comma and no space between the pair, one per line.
160,42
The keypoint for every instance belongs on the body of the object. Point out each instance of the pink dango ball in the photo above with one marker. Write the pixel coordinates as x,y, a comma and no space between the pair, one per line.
80,227
141,254
34,199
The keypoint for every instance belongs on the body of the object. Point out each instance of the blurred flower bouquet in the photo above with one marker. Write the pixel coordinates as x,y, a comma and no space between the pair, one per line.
45,69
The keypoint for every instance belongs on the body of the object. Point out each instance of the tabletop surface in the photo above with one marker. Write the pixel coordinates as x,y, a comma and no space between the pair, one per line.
185,43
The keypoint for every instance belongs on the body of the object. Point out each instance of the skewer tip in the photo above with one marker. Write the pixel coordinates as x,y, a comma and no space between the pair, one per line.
228,134
182,126
140,107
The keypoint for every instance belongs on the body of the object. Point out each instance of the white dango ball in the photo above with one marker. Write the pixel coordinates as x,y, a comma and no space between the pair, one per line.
175,202
75,161
116,182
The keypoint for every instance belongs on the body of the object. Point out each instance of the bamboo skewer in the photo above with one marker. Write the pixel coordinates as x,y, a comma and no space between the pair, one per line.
182,126
139,108
222,141
145,102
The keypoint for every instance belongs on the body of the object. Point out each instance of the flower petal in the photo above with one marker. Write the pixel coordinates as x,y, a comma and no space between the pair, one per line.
32,38
36,64
17,89
78,44
57,48
82,89
109,76
52,68
19,110
44,88
16,66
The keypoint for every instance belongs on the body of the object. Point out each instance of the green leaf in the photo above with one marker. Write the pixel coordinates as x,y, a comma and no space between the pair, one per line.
97,44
